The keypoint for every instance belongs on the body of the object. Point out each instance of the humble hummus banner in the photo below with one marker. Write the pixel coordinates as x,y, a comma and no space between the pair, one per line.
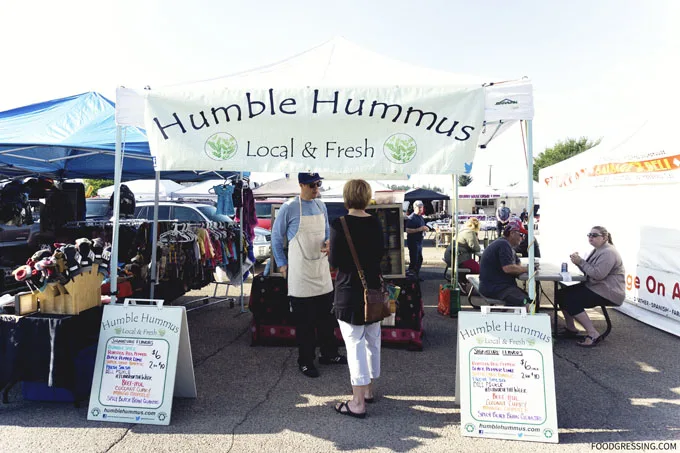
375,130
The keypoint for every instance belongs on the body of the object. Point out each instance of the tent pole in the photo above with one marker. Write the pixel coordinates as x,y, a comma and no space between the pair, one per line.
117,176
454,243
530,201
242,242
154,241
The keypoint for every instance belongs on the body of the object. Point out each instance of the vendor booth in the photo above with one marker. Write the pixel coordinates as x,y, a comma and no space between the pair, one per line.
52,141
336,109
628,185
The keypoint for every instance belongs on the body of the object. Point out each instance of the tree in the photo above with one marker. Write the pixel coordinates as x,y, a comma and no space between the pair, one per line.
95,185
562,150
464,180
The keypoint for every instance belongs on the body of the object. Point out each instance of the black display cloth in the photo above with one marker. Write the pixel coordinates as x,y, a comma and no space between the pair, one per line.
44,347
270,304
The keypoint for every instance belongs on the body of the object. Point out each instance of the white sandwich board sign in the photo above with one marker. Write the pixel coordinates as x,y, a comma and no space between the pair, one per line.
143,360
505,376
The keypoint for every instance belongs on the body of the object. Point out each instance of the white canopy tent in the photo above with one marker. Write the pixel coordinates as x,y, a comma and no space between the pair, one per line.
629,185
200,190
335,109
337,186
278,188
145,189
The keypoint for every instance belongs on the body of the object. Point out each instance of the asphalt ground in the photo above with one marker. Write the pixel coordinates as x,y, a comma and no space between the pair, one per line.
254,399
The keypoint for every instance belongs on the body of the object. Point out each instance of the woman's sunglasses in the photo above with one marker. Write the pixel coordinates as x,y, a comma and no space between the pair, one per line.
312,185
593,235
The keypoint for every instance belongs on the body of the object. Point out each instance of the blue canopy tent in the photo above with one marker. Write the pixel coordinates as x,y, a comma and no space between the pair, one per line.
75,137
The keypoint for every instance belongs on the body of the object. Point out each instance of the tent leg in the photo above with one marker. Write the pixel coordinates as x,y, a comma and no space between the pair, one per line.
454,244
154,241
118,173
242,244
530,201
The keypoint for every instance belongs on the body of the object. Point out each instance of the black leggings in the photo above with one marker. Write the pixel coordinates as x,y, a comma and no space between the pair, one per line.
575,299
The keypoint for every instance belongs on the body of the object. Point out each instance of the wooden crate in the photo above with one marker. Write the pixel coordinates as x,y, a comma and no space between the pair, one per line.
80,293
25,304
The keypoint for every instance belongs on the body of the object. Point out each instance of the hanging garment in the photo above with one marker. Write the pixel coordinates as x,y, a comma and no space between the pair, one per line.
309,273
249,217
225,202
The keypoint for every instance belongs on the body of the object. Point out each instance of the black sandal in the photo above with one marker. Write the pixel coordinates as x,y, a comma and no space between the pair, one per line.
348,411
593,342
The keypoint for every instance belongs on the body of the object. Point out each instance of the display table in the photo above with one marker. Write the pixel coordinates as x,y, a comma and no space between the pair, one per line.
44,348
273,322
550,272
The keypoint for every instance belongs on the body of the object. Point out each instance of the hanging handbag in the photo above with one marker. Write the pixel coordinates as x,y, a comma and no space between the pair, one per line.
376,301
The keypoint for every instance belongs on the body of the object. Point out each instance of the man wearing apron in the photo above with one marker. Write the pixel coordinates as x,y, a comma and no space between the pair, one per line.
303,223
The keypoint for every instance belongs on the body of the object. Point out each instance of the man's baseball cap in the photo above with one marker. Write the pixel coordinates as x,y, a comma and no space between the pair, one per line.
308,178
515,225
418,203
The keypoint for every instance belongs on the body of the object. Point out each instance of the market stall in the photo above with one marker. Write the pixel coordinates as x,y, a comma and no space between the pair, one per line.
68,138
630,184
318,112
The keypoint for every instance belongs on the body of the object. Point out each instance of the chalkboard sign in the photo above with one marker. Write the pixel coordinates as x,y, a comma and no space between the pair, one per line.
506,378
143,359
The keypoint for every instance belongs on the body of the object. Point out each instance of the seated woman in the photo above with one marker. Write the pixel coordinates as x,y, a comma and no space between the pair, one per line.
468,245
605,283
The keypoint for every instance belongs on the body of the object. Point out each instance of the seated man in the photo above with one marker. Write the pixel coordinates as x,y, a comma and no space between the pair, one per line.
523,247
500,267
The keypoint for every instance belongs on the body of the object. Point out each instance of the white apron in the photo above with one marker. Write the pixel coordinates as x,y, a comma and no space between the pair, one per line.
309,273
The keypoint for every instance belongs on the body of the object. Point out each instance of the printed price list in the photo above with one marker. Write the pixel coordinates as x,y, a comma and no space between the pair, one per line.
134,372
507,385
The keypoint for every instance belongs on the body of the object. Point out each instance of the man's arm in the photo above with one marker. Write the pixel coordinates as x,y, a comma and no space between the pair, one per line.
417,230
515,269
324,209
510,262
412,226
326,243
279,235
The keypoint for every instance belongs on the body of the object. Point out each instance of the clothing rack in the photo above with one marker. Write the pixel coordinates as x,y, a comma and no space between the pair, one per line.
103,223
214,299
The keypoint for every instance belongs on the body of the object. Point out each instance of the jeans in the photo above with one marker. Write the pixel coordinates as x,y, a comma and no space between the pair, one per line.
314,320
415,254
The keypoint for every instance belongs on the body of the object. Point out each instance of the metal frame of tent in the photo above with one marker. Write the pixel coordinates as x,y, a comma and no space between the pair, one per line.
499,111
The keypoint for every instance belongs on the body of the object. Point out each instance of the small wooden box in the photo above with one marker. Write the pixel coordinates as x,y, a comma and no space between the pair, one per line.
80,293
25,304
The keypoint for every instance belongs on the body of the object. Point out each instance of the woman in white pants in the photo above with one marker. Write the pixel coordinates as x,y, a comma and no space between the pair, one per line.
362,340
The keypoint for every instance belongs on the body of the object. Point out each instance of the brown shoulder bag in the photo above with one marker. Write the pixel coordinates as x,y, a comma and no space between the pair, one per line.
376,301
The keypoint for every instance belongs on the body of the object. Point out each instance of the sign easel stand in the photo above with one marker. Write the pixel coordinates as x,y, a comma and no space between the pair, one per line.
143,360
505,382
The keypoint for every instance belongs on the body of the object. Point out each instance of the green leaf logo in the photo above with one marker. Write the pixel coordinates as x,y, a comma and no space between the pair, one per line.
221,146
118,330
400,148
161,332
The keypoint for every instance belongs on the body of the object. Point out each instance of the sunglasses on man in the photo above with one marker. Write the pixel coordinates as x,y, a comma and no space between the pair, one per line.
593,235
312,185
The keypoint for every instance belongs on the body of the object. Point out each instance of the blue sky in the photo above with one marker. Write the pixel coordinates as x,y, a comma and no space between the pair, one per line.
598,67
